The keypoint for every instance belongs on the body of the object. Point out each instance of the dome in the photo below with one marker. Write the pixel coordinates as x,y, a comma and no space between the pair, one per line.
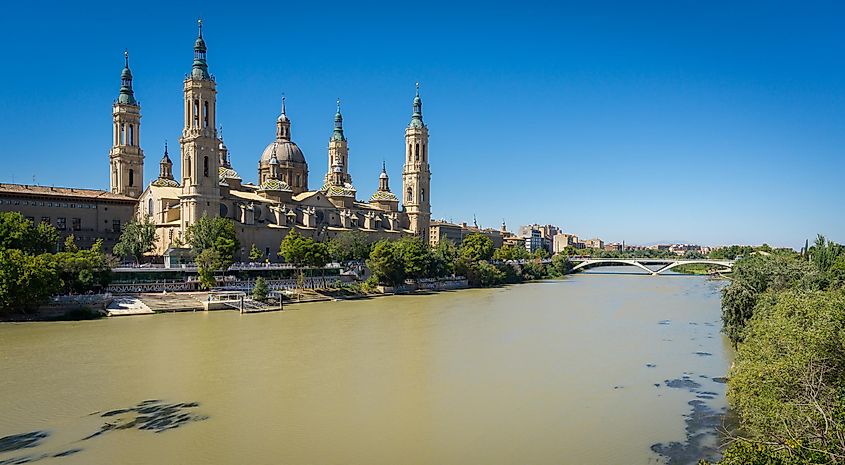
286,151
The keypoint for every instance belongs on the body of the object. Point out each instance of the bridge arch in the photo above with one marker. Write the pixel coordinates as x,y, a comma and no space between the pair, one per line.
725,266
621,261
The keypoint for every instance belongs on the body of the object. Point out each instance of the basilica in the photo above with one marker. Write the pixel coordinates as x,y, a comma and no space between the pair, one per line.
280,200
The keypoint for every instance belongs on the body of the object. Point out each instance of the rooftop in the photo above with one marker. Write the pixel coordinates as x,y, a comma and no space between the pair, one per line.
89,194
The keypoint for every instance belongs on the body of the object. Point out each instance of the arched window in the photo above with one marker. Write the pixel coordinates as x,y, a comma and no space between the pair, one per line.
131,178
188,170
150,207
123,134
409,152
422,195
131,134
205,114
410,196
205,166
417,154
196,113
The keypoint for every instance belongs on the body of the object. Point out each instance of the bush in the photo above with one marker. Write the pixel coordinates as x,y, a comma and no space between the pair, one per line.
260,290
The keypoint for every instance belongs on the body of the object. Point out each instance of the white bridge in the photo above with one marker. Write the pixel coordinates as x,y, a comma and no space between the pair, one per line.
666,263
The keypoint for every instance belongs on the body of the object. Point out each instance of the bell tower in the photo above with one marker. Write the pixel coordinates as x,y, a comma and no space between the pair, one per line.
416,175
338,154
200,157
126,159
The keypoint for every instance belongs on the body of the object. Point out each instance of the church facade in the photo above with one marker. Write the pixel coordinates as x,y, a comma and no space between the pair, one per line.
280,200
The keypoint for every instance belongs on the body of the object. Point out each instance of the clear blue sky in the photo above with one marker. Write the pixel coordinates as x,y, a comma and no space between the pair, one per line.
707,122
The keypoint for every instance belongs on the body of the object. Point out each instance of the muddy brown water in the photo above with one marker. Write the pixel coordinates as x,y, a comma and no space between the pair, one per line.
599,368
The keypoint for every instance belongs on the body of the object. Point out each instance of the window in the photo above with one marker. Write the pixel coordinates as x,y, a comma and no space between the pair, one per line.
131,177
205,166
196,113
297,180
45,219
115,226
61,223
417,154
131,134
422,195
150,207
409,152
188,171
205,114
76,224
122,134
410,195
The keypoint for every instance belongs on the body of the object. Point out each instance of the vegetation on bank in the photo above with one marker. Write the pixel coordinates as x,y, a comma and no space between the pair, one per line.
785,312
34,265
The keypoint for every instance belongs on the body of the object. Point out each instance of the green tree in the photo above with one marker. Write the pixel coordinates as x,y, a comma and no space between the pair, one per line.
17,232
508,252
788,380
386,265
445,255
214,233
70,244
415,256
755,275
294,249
207,262
84,270
561,266
255,254
349,246
316,254
26,281
260,290
476,247
137,239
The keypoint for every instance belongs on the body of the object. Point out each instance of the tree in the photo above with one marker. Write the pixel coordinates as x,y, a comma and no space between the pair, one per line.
214,233
316,253
294,249
476,247
416,257
788,378
255,254
752,277
349,246
137,239
509,252
260,290
83,270
541,254
17,232
561,266
26,281
207,262
70,244
445,255
387,267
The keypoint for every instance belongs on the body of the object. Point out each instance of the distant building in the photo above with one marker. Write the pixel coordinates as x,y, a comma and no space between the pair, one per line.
88,214
594,243
562,240
455,233
613,247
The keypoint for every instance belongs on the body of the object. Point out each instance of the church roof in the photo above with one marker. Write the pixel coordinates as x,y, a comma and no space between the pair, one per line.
227,173
384,196
285,150
164,182
275,185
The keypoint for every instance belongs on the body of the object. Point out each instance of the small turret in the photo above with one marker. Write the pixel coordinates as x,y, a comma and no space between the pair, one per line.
127,95
283,124
199,70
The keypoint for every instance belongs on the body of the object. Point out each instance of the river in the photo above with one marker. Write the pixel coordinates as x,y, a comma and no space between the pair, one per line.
598,368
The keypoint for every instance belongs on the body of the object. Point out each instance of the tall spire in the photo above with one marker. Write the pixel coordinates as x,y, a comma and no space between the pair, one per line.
283,124
338,124
165,166
127,95
416,117
200,67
